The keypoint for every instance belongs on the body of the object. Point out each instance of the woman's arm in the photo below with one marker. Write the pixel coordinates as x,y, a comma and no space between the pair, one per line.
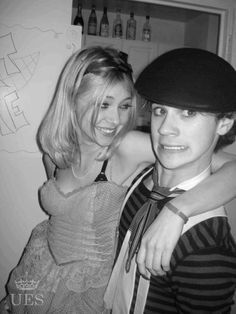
214,191
160,239
136,148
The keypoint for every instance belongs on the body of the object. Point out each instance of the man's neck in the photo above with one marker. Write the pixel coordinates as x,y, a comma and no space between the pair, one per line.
170,178
184,181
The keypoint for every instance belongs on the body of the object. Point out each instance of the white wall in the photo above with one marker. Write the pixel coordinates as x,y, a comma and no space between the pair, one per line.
202,32
35,40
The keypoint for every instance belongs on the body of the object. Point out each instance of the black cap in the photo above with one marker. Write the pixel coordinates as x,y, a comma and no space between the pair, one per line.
190,78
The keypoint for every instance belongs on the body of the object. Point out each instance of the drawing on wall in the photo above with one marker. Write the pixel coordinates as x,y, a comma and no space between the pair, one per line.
15,72
30,62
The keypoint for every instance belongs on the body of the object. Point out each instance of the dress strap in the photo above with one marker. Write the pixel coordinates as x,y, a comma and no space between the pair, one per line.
102,176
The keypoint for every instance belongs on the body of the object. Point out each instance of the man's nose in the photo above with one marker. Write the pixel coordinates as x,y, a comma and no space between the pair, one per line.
168,125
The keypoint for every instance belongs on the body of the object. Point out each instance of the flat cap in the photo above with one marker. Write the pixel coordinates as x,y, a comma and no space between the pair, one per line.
190,78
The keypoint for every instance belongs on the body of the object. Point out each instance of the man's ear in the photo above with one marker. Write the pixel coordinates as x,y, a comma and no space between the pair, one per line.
225,124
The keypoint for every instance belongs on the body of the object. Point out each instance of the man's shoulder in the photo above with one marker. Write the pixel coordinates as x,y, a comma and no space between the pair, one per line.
141,176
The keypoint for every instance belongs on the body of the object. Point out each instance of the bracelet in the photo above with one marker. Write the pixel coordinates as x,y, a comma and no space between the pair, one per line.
176,211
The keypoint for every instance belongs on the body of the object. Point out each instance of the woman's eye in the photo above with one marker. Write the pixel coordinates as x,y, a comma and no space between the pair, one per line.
189,113
125,106
158,111
104,105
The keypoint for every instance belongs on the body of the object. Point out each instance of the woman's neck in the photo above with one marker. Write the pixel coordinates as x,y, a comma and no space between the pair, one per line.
90,150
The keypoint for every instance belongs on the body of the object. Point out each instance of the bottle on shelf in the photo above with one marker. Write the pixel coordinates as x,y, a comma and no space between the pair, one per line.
146,33
117,26
92,22
131,27
79,18
104,24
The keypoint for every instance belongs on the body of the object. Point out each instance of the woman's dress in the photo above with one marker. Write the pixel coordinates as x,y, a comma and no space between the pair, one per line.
67,262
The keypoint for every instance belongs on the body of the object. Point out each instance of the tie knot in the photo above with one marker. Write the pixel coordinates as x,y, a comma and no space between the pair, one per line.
158,193
156,196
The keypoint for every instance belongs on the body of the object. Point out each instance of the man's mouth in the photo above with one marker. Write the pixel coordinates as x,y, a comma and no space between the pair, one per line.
172,147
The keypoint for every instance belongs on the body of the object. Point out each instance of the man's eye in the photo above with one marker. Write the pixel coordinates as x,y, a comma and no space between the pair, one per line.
158,111
189,113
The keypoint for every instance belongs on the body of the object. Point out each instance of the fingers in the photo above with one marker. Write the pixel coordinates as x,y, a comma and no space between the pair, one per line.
150,260
140,259
165,261
158,266
154,261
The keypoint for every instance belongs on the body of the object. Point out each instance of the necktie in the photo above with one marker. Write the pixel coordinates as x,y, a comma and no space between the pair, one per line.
147,214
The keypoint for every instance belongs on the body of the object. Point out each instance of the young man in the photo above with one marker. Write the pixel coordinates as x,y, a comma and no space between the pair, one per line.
192,96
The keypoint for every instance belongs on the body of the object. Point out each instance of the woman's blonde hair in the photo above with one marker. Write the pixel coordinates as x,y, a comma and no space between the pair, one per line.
81,86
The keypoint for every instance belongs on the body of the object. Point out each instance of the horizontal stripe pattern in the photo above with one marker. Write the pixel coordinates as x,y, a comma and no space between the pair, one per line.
203,267
203,273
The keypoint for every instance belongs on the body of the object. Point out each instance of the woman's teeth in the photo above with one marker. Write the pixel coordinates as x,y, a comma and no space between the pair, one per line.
107,131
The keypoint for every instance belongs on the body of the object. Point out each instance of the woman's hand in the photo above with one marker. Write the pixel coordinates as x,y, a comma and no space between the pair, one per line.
158,243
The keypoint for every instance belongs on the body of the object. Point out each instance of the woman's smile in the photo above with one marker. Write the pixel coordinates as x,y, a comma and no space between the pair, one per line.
107,131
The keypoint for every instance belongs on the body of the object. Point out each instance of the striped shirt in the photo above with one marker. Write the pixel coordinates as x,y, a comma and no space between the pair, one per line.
203,266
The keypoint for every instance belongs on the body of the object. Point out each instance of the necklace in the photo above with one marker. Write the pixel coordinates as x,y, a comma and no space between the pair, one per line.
84,175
